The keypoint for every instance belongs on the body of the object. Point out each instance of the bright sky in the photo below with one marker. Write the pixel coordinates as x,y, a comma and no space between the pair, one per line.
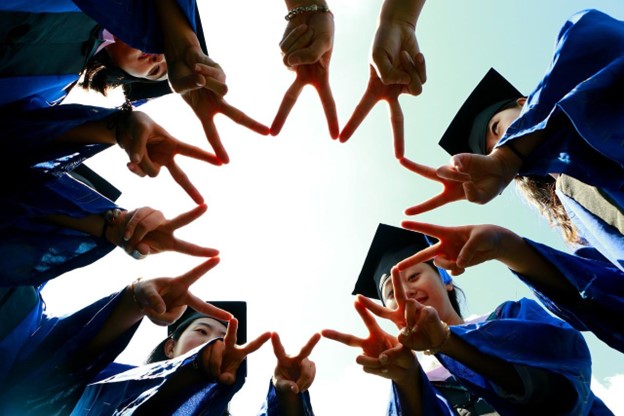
293,215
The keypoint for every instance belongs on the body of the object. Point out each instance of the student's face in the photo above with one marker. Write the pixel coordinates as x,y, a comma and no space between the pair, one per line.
499,123
197,333
136,63
422,283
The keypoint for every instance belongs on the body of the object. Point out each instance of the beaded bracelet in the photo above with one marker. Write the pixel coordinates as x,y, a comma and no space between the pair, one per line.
306,9
447,335
110,219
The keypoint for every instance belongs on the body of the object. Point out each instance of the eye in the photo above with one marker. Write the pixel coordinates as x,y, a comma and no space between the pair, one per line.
495,128
413,277
201,331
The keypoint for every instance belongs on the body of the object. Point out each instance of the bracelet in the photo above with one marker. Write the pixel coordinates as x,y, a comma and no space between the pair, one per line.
110,219
447,335
121,117
510,144
134,298
305,9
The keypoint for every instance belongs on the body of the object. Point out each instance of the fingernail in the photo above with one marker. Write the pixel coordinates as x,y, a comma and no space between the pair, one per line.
405,331
136,158
383,358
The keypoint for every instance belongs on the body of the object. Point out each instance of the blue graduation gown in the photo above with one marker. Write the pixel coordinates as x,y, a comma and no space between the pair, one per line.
41,370
598,282
123,393
580,97
524,334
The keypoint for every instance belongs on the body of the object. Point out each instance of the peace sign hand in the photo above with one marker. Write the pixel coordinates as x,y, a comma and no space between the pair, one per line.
377,341
424,328
395,315
376,91
294,374
307,46
146,231
458,247
150,147
165,299
222,359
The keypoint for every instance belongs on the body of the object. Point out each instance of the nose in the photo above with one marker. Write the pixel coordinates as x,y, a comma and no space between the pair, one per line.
157,58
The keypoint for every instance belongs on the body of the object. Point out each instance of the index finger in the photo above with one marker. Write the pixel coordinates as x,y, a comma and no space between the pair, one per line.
430,204
309,346
195,152
187,217
397,286
210,130
278,348
243,119
207,308
398,129
329,107
368,318
422,170
230,333
374,307
254,345
288,102
421,256
432,230
347,339
366,104
185,183
190,277
191,249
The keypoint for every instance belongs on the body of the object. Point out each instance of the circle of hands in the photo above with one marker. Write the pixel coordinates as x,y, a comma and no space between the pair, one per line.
398,67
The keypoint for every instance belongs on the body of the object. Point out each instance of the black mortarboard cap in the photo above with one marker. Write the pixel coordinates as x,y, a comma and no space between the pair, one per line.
390,245
236,308
466,133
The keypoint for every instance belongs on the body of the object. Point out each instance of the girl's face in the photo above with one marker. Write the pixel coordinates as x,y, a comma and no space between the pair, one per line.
197,333
423,283
136,63
500,122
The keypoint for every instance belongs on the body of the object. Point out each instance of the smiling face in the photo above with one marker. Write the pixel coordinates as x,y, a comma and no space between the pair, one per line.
423,284
500,122
199,332
136,63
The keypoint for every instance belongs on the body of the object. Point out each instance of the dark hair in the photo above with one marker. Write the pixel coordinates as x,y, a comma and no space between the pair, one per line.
158,353
540,191
101,74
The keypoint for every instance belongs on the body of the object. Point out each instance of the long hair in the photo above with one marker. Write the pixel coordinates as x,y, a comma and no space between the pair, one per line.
540,191
102,75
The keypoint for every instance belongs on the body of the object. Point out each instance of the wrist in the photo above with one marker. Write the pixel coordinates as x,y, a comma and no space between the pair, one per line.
443,343
401,12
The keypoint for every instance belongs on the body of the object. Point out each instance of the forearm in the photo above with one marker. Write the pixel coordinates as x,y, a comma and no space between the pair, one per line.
405,11
125,315
498,371
94,132
290,404
523,259
178,34
93,225
409,391
291,4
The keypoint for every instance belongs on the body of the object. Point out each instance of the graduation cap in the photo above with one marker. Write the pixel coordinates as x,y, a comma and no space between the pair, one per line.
467,131
236,308
390,245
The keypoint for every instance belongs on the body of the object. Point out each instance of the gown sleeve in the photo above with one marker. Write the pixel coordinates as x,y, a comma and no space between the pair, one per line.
270,407
433,402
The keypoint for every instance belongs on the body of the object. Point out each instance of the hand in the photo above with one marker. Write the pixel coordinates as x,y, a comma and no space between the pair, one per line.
377,341
201,82
376,91
458,247
151,147
397,57
453,191
293,374
146,231
307,46
221,359
395,315
164,299
398,364
424,328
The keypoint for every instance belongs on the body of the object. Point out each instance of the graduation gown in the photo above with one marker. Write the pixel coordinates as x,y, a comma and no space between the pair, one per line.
270,407
599,283
554,347
578,107
125,392
42,371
